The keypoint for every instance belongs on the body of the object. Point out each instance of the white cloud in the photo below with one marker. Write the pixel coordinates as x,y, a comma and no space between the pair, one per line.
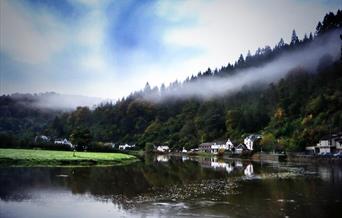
225,29
23,41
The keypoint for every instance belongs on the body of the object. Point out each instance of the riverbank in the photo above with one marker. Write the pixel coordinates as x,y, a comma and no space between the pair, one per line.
24,157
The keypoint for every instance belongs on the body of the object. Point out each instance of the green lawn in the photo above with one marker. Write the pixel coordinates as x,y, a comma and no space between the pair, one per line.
57,158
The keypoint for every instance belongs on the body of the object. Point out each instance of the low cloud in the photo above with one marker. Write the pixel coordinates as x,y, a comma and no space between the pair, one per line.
307,58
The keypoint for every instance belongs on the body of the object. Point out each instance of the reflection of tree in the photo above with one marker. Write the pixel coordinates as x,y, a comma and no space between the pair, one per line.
126,186
16,183
289,196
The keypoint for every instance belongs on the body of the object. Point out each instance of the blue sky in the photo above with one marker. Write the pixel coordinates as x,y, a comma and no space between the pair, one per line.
111,48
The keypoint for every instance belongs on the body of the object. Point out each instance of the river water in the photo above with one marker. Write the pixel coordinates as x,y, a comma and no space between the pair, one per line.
164,186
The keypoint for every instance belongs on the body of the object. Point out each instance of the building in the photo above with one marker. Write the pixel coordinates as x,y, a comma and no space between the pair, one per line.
109,144
63,142
329,144
205,147
126,147
214,148
239,149
41,139
250,141
163,148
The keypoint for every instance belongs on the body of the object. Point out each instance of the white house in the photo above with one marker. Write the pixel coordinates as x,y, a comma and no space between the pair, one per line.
63,142
229,144
250,140
109,144
126,146
212,147
163,148
41,138
330,144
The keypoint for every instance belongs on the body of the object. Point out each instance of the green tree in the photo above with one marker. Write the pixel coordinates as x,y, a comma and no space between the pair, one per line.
81,138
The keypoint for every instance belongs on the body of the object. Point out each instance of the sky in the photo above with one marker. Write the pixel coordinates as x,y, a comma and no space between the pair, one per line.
110,48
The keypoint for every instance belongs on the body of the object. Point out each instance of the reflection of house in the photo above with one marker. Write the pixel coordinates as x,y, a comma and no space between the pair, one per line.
229,167
162,158
126,147
238,164
163,148
222,165
328,144
250,141
63,142
249,171
185,158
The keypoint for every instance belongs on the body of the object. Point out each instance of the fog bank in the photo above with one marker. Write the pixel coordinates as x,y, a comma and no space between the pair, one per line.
307,58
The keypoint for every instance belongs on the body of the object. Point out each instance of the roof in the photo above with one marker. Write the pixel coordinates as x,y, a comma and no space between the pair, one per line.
332,136
241,146
206,144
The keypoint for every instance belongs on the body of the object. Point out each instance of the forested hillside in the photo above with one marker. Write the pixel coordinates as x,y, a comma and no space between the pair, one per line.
290,114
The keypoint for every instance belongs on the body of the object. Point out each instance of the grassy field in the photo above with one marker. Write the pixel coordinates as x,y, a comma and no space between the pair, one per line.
23,157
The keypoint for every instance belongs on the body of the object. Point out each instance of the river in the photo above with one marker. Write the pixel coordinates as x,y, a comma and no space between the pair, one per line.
169,186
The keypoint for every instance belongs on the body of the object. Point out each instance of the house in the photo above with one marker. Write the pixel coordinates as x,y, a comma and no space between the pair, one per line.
250,141
126,147
214,148
205,147
329,144
229,145
41,139
109,144
163,148
63,142
310,149
240,148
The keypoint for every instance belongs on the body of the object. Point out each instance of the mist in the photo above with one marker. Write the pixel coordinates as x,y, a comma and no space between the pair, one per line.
306,58
55,101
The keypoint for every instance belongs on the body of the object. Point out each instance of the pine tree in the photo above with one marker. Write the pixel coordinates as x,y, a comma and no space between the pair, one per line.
147,88
294,38
241,60
281,43
310,37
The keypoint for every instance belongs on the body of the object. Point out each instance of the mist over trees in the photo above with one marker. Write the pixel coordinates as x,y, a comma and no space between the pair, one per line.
292,113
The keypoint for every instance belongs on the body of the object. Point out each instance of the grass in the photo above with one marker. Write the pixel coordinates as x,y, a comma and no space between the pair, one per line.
24,157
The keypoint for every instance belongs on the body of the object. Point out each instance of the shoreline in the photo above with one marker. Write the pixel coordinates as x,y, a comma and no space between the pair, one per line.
289,157
48,158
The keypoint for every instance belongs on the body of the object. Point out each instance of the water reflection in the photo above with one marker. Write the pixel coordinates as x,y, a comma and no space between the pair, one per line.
167,186
229,167
163,158
249,170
